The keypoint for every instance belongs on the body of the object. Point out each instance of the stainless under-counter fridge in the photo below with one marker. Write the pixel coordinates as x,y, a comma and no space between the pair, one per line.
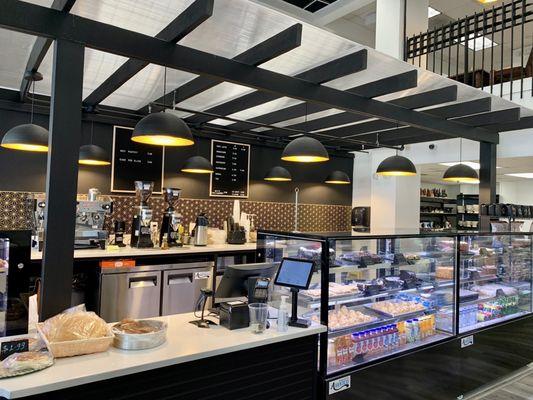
151,290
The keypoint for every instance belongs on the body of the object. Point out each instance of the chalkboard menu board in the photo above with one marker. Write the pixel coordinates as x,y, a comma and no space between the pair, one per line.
135,162
231,164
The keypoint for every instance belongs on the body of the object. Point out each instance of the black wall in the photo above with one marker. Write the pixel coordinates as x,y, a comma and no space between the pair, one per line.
22,171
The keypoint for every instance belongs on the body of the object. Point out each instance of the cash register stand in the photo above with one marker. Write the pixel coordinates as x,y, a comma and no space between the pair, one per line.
294,320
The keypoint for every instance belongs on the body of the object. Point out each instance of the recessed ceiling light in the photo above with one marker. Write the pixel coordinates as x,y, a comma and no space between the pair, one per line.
527,175
479,43
433,12
487,1
471,164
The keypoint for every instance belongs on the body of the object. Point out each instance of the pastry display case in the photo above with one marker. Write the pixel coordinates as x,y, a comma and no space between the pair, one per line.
495,279
380,296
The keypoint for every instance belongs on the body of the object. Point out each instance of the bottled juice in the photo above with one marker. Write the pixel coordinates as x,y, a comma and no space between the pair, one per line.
402,339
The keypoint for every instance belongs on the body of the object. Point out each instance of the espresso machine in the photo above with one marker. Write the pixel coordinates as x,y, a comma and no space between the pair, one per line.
90,219
141,235
171,226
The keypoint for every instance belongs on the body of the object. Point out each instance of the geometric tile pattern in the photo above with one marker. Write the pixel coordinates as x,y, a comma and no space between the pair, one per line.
16,212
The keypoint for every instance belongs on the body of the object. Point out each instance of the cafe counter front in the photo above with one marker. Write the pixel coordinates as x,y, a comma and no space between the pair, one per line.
192,364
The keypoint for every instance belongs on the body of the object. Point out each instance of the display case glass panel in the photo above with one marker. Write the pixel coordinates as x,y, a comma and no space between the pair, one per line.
495,279
387,296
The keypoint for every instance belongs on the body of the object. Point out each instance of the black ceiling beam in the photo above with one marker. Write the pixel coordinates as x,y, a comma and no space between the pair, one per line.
417,100
337,68
461,109
180,27
500,116
273,47
40,48
391,84
41,21
467,107
523,123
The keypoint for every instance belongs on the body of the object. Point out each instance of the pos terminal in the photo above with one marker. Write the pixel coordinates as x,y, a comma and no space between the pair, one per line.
295,273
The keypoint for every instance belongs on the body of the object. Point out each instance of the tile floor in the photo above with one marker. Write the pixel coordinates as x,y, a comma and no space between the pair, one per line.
519,386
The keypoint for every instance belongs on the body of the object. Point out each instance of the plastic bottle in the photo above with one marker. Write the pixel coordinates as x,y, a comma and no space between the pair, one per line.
283,315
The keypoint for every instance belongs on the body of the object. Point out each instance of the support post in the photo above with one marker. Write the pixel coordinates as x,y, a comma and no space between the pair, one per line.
487,180
62,177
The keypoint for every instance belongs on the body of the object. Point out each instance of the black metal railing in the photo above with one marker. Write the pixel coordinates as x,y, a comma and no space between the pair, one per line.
479,50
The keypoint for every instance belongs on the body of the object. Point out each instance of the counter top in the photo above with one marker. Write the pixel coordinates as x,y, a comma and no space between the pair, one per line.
185,342
134,252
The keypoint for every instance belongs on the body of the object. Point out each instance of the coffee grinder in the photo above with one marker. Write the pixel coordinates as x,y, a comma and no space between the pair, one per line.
142,216
172,220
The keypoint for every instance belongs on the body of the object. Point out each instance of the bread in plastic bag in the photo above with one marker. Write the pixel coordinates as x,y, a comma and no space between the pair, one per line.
78,325
27,361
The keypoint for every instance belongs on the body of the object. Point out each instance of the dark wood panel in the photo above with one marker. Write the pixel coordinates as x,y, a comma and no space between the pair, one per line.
279,371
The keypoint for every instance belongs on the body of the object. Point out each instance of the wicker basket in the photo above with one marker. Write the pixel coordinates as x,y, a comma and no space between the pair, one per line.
76,347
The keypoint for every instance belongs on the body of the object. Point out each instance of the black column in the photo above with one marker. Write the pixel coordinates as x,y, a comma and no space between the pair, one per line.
487,180
62,177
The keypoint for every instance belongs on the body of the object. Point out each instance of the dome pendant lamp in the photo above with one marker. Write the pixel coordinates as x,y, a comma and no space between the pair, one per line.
162,129
91,154
197,165
338,178
305,149
395,165
461,173
28,137
278,174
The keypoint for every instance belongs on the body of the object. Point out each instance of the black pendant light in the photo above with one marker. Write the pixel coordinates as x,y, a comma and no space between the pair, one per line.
396,166
278,174
91,154
162,129
197,165
27,137
461,173
306,150
338,178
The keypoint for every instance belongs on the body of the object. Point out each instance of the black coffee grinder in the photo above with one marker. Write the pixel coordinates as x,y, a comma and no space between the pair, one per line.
171,226
142,216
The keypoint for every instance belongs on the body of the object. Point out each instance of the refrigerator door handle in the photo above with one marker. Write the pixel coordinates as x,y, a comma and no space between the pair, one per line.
179,279
148,281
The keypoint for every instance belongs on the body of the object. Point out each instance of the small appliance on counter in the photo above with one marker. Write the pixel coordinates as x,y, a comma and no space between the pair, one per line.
361,219
120,229
236,233
90,219
200,230
37,236
141,236
171,226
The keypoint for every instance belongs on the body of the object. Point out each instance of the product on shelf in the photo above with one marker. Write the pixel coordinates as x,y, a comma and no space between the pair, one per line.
344,318
442,272
498,308
335,290
494,289
397,307
361,258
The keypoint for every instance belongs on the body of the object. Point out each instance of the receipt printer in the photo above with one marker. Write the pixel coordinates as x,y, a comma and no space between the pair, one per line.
234,315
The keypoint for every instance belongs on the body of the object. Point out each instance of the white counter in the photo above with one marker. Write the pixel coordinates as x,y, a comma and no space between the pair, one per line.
134,252
185,342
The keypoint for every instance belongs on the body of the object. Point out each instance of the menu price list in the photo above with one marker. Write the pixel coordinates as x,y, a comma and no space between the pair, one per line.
134,161
231,163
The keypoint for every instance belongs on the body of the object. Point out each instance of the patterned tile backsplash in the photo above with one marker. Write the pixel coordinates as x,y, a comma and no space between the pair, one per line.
16,212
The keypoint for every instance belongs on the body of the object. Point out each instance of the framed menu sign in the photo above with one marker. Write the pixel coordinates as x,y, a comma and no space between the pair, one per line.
135,162
231,164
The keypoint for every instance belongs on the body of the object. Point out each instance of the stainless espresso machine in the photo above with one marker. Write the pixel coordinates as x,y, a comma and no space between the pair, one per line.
171,226
142,216
90,219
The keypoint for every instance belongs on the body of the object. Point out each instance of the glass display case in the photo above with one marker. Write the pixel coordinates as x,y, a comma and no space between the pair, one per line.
378,295
495,279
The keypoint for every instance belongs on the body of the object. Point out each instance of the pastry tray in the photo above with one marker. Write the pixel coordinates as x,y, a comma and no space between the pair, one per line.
411,313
